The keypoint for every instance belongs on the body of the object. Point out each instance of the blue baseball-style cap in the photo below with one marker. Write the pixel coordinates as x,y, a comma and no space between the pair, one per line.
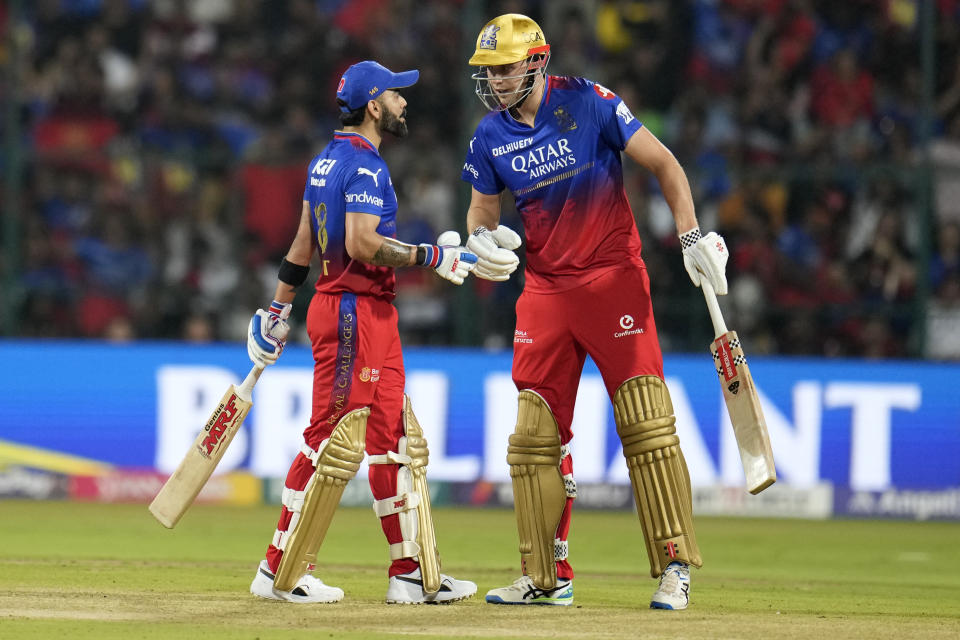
368,79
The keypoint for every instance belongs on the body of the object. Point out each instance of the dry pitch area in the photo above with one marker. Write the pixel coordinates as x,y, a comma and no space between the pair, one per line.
110,571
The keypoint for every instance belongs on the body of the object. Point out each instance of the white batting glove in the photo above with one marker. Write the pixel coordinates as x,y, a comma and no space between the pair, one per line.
495,252
706,257
451,262
267,333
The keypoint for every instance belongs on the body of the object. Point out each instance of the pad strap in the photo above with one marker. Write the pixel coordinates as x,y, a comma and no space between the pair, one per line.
404,549
569,484
390,457
396,504
561,549
312,453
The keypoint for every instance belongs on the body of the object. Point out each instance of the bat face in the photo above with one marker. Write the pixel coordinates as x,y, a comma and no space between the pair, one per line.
746,414
224,417
181,489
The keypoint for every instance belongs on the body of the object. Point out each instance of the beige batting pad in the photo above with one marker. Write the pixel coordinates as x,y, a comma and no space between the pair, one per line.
429,556
658,472
337,464
539,495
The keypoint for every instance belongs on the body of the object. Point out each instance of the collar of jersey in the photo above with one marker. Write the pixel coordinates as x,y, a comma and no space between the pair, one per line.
349,134
544,99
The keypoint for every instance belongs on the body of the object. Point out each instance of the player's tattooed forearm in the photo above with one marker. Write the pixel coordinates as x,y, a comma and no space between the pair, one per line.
392,254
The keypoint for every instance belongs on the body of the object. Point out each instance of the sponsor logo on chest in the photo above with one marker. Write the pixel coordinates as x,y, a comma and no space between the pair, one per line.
544,159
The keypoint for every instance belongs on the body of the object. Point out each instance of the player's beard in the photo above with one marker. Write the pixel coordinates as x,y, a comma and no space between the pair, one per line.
393,124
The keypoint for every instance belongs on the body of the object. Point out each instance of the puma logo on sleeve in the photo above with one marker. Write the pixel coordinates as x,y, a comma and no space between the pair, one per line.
367,172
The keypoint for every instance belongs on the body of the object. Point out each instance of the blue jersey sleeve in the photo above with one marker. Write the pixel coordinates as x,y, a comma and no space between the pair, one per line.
614,118
478,167
365,188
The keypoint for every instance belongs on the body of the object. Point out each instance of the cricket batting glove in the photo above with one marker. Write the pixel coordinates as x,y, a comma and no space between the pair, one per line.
267,333
705,257
495,252
451,262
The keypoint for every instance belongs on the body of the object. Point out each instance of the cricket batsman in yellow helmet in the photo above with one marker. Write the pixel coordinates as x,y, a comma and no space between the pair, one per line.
557,143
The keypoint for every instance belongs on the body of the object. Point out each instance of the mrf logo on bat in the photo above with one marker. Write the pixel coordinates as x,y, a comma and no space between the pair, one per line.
217,426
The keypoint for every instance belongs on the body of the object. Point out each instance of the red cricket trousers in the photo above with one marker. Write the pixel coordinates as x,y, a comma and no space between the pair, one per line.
611,320
358,363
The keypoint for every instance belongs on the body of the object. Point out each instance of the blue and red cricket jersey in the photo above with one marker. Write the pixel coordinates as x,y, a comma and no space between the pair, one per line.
566,176
350,175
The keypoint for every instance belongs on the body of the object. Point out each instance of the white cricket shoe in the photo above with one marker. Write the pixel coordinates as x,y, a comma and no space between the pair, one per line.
523,591
407,588
674,589
309,589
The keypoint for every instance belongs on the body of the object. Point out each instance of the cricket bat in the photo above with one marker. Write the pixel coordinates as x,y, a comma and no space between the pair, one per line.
181,488
740,396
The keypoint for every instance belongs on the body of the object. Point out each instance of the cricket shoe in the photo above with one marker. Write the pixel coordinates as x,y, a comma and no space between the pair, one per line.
523,591
674,589
407,588
309,589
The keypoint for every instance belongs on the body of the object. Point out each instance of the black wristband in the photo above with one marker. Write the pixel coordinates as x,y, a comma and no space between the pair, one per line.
292,274
421,255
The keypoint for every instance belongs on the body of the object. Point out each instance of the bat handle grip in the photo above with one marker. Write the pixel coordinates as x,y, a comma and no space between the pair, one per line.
719,326
245,390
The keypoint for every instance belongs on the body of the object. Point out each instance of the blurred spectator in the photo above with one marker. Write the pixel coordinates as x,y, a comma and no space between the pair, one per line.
843,103
945,263
943,318
167,144
198,328
945,154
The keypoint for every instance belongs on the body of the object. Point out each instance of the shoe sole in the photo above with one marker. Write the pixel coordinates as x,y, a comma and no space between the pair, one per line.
448,601
663,605
548,603
276,598
297,601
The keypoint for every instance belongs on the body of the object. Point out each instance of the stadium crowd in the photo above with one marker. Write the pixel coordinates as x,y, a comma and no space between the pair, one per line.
167,143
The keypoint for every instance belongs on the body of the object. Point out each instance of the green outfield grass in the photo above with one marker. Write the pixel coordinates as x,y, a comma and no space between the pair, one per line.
110,571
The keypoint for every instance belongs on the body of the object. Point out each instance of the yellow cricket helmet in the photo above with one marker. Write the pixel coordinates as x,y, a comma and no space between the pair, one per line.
505,40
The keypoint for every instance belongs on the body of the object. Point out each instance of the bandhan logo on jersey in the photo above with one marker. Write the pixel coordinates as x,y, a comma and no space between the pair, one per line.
363,198
320,215
488,39
546,158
